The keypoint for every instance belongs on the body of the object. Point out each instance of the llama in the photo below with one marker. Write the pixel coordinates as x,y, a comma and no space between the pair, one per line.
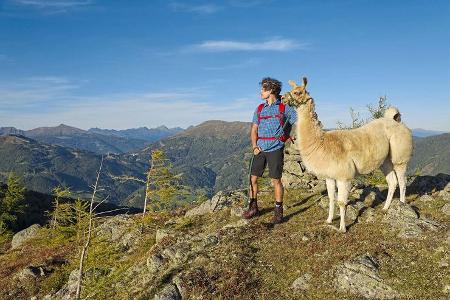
340,155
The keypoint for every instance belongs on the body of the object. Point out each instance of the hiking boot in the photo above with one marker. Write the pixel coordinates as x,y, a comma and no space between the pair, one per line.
252,210
278,214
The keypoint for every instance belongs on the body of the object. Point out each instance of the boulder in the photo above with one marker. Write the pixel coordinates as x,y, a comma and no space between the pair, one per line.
69,290
121,230
302,283
446,209
405,219
25,235
426,198
169,292
219,202
360,276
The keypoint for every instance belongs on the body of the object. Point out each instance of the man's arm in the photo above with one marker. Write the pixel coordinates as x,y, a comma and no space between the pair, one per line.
254,138
254,134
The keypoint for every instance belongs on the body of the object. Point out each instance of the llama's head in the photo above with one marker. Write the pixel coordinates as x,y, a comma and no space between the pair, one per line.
298,95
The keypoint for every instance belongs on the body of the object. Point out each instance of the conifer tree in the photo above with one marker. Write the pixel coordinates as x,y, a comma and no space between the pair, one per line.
12,203
163,187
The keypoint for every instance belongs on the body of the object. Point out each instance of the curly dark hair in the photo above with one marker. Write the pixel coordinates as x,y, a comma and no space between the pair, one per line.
271,84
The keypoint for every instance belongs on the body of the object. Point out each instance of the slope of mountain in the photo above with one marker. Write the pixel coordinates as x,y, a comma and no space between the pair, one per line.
210,157
141,133
215,149
419,132
431,155
43,167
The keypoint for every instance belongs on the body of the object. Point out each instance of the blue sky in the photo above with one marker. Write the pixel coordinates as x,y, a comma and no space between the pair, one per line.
124,64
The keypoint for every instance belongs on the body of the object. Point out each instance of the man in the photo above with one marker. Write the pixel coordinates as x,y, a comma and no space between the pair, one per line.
268,137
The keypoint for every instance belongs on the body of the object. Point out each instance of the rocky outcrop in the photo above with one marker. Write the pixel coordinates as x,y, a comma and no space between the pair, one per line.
405,219
121,230
360,277
25,235
295,174
169,292
219,202
302,283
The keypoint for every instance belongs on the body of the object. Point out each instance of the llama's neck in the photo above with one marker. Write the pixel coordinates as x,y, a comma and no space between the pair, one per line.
309,129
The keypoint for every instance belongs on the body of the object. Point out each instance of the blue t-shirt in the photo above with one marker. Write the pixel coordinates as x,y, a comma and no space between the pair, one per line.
272,127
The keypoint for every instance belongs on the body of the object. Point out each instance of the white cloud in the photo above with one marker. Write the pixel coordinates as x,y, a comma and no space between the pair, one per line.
131,111
274,44
55,4
35,91
206,8
49,101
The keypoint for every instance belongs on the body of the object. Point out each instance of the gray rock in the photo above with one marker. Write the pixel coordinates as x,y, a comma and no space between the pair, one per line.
26,274
446,289
169,292
210,240
446,209
443,263
368,215
302,283
122,230
154,262
353,210
360,277
426,198
240,223
69,290
162,233
236,211
25,235
444,195
370,198
181,286
219,202
403,218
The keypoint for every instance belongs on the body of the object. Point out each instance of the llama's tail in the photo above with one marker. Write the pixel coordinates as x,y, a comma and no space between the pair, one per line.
392,113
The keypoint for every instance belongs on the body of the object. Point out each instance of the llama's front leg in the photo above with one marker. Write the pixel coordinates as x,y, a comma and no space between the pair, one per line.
400,171
391,179
343,190
331,189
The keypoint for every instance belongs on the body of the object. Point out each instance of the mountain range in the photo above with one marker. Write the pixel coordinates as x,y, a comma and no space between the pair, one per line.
210,157
100,141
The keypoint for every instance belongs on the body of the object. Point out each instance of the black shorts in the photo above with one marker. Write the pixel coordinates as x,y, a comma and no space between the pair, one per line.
273,159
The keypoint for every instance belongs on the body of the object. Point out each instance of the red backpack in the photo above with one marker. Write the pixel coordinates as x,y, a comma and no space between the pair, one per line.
280,117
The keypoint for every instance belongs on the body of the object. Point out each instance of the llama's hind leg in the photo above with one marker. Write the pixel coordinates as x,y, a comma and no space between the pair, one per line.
400,171
331,189
391,178
343,190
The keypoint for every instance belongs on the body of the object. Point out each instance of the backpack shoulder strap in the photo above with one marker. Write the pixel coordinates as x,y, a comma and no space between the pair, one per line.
282,108
258,111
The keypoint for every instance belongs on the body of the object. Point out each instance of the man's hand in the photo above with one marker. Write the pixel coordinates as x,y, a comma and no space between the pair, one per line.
256,150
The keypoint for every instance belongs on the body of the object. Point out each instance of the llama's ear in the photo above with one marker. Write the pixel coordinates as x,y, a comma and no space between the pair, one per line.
305,81
292,83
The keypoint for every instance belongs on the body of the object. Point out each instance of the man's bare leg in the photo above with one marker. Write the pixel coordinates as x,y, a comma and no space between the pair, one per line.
253,205
278,213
